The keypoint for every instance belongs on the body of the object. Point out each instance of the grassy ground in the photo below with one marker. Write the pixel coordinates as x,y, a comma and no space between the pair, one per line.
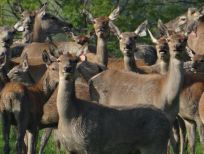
50,148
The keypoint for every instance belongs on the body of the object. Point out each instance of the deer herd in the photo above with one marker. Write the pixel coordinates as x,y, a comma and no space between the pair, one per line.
91,103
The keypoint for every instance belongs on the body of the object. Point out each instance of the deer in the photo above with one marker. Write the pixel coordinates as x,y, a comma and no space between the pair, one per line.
21,73
25,104
37,25
197,61
157,82
192,24
76,119
102,27
127,47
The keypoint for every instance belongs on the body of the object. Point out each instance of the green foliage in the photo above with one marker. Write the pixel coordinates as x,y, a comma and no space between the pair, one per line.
132,14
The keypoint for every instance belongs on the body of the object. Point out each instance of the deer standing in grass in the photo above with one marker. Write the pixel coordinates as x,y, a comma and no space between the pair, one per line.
25,105
86,127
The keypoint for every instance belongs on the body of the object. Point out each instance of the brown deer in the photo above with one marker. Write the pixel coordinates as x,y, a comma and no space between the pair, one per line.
197,61
21,72
102,27
152,86
49,120
37,25
25,105
127,47
86,127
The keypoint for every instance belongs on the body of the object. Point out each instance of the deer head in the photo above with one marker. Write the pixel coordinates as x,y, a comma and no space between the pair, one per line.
52,66
162,47
186,22
67,66
6,36
127,39
81,39
177,44
197,61
20,72
50,24
101,24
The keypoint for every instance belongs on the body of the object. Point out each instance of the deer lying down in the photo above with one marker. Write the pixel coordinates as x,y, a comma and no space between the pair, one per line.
25,104
86,127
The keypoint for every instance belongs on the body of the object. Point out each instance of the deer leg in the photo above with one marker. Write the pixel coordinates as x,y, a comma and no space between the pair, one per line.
6,131
32,140
182,132
57,141
200,127
191,131
22,123
154,149
44,139
174,137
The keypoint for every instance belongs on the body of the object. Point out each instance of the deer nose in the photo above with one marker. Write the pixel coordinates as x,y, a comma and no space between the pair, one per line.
128,45
68,69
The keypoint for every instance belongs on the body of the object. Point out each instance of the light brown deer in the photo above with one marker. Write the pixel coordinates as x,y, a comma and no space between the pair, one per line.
37,25
25,105
86,127
152,86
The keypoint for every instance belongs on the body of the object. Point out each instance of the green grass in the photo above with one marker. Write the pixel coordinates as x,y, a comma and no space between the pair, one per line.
50,147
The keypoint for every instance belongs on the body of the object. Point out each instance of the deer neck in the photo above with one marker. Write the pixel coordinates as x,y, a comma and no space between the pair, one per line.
102,53
3,78
171,88
45,87
27,36
129,63
163,67
65,98
38,34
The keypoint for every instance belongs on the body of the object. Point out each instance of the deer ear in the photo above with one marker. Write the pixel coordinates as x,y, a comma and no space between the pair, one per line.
190,52
54,50
141,29
24,62
88,15
114,29
42,8
162,28
114,15
82,57
154,40
19,26
46,58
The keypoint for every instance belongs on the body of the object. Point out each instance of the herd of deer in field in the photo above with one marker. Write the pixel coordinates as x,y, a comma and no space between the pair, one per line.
95,104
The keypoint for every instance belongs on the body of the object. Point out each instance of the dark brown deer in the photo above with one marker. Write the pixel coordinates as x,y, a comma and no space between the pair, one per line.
25,105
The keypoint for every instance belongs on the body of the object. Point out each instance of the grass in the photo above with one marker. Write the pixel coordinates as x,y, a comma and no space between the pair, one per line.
50,147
